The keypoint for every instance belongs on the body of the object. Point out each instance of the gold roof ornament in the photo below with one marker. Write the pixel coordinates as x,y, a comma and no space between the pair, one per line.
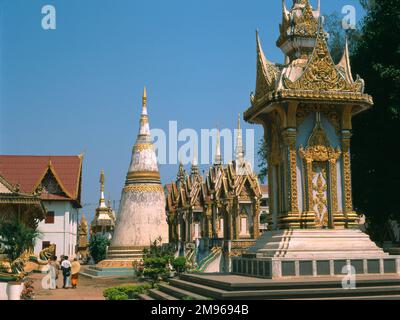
144,97
344,64
321,73
267,72
309,73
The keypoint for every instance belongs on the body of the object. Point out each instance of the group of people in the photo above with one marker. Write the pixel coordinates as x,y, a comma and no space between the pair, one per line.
69,270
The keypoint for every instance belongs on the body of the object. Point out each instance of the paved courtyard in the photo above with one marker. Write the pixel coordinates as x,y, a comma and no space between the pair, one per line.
88,289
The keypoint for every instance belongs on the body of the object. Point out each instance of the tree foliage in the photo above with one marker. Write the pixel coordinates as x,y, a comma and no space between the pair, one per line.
262,160
98,247
376,132
16,237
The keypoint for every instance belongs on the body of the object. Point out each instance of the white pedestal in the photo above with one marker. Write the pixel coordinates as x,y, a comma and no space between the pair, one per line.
3,291
14,290
313,253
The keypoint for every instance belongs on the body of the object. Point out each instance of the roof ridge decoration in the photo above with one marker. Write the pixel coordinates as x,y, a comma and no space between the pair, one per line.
321,73
305,25
267,72
344,63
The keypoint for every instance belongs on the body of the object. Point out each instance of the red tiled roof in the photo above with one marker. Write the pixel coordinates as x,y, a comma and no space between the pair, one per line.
264,188
28,172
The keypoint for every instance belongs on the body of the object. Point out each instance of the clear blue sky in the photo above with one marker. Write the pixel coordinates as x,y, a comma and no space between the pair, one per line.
78,88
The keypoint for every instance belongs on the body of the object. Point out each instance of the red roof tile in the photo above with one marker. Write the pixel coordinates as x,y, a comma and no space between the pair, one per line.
28,171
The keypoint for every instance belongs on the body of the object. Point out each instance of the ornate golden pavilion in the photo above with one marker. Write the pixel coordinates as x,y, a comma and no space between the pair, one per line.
306,107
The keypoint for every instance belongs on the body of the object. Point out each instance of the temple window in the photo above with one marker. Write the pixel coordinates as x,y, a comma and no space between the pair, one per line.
49,217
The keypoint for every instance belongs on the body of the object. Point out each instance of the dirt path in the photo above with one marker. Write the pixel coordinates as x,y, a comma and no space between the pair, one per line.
88,289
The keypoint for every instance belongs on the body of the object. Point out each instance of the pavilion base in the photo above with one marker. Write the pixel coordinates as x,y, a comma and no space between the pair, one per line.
119,262
315,253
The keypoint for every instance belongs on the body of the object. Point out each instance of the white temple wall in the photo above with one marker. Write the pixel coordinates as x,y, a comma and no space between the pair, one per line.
138,224
63,232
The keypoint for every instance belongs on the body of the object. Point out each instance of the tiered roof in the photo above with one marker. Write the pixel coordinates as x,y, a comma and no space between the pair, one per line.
54,177
309,73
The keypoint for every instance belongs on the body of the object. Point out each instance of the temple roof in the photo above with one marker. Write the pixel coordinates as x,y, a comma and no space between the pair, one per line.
309,74
29,173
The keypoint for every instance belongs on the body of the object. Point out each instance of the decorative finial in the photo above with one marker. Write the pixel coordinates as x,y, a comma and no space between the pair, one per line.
102,202
239,145
102,180
218,157
144,98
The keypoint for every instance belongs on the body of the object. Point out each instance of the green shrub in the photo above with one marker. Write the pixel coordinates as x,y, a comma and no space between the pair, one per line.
98,247
179,264
125,292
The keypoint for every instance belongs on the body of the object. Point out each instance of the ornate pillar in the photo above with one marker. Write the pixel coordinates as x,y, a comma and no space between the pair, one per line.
230,223
236,223
349,213
336,219
256,218
291,218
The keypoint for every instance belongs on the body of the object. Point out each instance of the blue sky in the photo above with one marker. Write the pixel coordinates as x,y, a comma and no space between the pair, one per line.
78,88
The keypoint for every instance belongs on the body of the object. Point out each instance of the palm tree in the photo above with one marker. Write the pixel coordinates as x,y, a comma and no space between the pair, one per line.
16,237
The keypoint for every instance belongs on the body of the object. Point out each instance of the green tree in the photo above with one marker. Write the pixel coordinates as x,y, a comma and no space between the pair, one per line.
16,237
376,132
98,247
262,160
337,36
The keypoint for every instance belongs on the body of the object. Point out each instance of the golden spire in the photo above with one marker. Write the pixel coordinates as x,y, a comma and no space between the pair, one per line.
83,219
144,98
102,180
102,201
218,157
239,145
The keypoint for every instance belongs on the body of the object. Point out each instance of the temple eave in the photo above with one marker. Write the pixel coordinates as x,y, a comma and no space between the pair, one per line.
264,104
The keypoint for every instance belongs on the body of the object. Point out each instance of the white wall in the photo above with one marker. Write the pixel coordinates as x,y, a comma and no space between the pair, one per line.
63,232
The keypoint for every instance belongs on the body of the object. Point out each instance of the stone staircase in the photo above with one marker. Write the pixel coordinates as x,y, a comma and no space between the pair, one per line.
233,287
124,253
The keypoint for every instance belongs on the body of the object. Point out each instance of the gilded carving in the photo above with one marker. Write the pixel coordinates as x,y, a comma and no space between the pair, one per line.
320,151
320,201
305,25
321,73
143,146
143,188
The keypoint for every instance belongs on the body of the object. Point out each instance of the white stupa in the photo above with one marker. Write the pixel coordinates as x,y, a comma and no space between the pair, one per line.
141,218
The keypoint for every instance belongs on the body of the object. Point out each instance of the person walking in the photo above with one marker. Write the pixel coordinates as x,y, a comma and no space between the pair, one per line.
54,272
66,270
75,268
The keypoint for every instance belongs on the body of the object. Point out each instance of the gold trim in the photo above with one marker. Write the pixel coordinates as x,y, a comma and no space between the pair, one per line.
143,146
144,188
143,175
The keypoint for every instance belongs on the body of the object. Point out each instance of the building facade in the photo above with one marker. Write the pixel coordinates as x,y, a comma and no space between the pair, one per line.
306,106
222,207
58,180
